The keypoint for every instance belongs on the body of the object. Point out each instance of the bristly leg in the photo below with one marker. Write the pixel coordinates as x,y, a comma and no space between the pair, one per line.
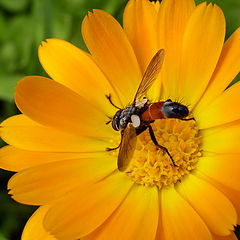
188,119
109,97
111,149
152,135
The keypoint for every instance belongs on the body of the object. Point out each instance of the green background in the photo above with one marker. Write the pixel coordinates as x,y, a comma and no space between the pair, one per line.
23,25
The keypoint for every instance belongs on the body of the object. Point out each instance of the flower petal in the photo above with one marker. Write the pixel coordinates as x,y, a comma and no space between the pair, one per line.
201,51
227,68
42,184
143,204
86,209
179,219
140,25
75,69
112,52
23,133
34,227
15,159
52,104
214,208
232,236
173,17
222,139
222,109
231,194
222,168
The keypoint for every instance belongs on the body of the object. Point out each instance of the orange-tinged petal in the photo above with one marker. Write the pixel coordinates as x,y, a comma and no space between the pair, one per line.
232,236
231,194
135,218
54,105
179,219
222,110
173,17
222,139
76,69
23,133
42,184
139,22
202,45
82,211
15,159
227,68
223,168
112,52
213,207
34,229
160,232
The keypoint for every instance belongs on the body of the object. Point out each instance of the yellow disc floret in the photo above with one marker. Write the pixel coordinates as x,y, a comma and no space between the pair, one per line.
151,166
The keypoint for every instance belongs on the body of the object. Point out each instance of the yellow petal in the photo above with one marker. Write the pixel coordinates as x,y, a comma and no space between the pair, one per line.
227,68
222,109
42,184
112,52
232,236
222,139
52,104
202,45
231,194
75,69
23,133
135,218
34,227
173,17
139,22
15,159
160,231
82,211
222,168
179,219
213,207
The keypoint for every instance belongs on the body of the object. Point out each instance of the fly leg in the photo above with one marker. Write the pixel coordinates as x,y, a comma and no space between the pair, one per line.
188,119
112,149
152,135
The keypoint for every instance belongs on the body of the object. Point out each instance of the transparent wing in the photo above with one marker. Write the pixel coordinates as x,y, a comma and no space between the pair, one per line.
150,75
127,147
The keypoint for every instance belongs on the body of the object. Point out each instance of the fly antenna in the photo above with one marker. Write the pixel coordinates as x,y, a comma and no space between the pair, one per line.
109,97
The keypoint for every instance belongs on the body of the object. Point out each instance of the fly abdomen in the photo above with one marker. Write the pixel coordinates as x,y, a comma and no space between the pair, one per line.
153,111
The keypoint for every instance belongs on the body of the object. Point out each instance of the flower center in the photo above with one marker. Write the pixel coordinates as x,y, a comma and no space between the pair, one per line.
151,166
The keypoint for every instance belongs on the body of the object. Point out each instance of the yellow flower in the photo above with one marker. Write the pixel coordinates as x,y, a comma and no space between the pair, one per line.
58,144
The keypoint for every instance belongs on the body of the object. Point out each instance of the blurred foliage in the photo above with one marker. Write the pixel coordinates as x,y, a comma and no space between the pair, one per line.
23,25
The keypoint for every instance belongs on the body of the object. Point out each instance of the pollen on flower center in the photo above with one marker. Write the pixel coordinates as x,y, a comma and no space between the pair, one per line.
151,166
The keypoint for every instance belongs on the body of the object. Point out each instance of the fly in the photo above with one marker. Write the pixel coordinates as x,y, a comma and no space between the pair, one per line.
137,117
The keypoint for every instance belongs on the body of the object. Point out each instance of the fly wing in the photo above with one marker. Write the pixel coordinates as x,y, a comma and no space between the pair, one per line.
127,147
150,75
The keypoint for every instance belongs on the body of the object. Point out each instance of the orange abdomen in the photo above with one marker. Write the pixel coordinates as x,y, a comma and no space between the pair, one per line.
153,112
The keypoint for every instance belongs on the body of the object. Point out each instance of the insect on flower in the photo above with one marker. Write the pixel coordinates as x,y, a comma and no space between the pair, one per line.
136,118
